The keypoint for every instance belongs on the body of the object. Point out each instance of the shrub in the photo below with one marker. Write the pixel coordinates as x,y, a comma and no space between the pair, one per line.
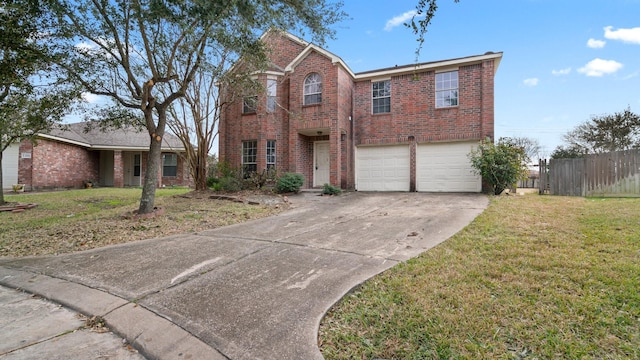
501,165
212,181
259,180
289,182
328,189
229,183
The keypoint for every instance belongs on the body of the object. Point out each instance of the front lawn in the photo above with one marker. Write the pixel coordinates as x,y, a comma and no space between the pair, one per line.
74,220
535,277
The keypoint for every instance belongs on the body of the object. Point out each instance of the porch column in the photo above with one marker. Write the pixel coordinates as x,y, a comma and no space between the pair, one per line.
118,169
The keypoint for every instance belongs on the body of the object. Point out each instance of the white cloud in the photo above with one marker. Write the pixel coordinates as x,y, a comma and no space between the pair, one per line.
626,35
596,44
531,82
598,67
90,98
399,20
565,71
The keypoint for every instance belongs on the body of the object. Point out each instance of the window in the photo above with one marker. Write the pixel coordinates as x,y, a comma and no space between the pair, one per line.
136,165
169,164
312,89
249,104
272,86
249,157
447,89
381,97
271,154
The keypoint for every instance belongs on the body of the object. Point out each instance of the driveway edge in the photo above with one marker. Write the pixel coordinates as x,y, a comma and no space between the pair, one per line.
152,335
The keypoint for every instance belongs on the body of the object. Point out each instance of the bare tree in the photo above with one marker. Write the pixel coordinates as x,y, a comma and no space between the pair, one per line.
144,54
531,147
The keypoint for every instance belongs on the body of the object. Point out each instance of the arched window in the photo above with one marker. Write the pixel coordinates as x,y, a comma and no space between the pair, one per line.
312,89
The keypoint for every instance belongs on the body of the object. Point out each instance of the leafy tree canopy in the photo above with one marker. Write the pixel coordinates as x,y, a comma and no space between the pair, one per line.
143,54
32,98
605,133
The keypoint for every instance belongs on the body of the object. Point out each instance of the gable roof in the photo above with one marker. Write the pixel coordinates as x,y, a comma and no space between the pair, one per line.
129,138
308,48
385,72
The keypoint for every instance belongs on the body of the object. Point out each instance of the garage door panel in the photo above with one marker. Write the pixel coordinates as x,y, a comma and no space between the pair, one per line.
10,166
446,168
383,168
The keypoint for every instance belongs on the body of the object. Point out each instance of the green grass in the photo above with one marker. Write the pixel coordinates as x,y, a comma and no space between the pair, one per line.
74,220
536,277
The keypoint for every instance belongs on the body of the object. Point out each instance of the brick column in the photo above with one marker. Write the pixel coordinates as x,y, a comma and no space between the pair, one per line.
118,169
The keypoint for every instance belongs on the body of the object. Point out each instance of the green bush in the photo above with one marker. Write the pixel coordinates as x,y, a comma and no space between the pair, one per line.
229,183
289,182
212,181
501,164
328,189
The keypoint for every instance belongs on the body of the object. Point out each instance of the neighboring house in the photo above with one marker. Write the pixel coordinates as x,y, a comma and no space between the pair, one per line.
67,158
403,128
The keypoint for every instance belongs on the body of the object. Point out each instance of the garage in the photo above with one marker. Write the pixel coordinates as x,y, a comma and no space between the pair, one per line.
10,166
445,167
383,168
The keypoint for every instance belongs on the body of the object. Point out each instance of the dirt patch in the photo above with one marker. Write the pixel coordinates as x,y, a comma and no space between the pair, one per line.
80,224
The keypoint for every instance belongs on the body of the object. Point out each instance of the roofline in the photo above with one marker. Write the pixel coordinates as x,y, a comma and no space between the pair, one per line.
134,148
311,47
398,70
108,147
57,138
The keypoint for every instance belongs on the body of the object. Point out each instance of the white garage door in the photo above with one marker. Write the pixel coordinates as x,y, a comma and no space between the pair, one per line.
383,168
446,168
10,166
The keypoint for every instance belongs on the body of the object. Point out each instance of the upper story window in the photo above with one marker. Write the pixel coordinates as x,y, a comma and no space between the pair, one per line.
447,89
249,104
272,86
169,164
312,89
381,96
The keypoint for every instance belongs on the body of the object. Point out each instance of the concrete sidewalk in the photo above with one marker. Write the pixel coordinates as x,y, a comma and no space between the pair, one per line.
33,328
256,290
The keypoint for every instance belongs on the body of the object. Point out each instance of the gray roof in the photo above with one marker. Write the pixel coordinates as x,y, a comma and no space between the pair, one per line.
96,138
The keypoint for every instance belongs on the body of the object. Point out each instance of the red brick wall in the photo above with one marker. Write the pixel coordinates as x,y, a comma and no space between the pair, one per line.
346,111
25,165
60,165
413,111
182,178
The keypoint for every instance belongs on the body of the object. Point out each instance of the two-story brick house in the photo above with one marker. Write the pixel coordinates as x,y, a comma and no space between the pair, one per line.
403,128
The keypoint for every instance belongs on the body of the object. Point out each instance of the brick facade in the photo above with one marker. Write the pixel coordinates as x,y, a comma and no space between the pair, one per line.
344,116
57,164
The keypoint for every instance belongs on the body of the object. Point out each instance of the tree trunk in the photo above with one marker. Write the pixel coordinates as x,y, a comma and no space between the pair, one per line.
147,200
201,167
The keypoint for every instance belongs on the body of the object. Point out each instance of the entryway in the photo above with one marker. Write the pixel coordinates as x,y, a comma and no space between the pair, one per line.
321,163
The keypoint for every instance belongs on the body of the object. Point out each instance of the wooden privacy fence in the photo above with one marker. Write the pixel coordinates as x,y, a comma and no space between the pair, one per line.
611,174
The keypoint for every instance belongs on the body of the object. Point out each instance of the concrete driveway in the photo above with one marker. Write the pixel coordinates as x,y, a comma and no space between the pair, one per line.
256,290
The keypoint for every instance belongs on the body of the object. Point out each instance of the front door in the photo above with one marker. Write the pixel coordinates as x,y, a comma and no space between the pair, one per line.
132,162
320,163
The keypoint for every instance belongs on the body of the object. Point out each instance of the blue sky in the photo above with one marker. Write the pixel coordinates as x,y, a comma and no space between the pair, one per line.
563,61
